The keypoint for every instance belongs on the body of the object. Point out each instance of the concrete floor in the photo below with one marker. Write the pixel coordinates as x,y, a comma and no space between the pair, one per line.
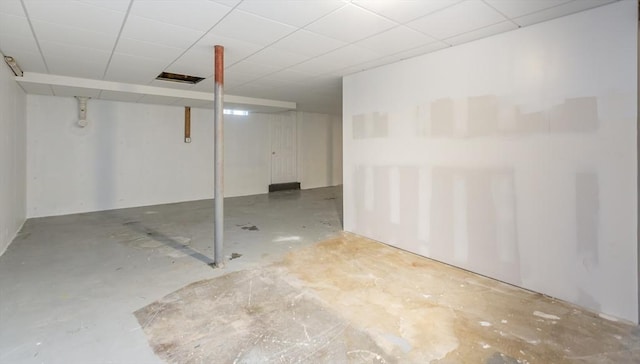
69,285
134,286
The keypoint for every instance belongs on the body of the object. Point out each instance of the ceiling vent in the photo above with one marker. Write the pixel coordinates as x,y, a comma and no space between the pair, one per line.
176,77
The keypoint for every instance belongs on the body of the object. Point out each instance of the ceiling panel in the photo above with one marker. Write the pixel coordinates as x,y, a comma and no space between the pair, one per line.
516,8
558,11
75,14
11,7
404,11
158,32
68,60
235,50
351,23
289,75
457,19
336,60
250,68
158,51
277,58
195,14
251,28
118,5
308,43
61,33
267,53
133,69
293,12
14,26
505,26
395,40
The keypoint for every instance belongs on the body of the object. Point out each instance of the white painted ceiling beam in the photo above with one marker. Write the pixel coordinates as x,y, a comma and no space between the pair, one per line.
85,83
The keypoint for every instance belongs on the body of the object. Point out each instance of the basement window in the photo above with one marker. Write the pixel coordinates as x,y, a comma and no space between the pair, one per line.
236,112
176,77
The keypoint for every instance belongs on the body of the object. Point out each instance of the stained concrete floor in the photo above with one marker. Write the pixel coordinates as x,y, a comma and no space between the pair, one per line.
134,286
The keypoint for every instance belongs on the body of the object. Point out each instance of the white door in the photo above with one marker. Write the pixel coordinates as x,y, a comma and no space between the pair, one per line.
284,166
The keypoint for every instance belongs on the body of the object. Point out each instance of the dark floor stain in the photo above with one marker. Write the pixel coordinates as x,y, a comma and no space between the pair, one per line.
330,198
235,256
252,228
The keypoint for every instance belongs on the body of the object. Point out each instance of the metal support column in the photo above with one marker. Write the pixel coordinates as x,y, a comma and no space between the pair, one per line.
218,210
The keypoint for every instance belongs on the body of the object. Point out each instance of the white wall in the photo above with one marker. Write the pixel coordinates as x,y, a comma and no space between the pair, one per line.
512,156
12,157
320,146
134,155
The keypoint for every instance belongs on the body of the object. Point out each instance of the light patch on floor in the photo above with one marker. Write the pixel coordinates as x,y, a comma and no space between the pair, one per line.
354,300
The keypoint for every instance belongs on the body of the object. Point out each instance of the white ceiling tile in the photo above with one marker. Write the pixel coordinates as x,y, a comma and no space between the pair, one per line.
308,43
118,5
234,49
197,61
418,51
230,3
83,68
36,88
68,60
132,69
141,48
516,8
14,26
289,75
351,23
558,11
162,33
293,12
75,14
195,14
338,59
251,68
251,28
395,40
505,26
277,58
119,96
68,35
66,91
11,7
457,19
404,11
236,79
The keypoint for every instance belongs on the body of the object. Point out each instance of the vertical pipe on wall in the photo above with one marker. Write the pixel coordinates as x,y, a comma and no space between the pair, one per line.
187,124
218,210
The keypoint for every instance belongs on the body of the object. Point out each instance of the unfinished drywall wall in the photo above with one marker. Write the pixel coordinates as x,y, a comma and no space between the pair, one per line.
513,156
134,155
12,157
320,146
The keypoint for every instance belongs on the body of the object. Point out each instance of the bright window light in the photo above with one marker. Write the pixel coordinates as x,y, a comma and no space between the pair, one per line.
236,112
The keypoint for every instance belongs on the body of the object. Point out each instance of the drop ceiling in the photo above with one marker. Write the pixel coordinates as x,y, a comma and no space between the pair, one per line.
277,52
